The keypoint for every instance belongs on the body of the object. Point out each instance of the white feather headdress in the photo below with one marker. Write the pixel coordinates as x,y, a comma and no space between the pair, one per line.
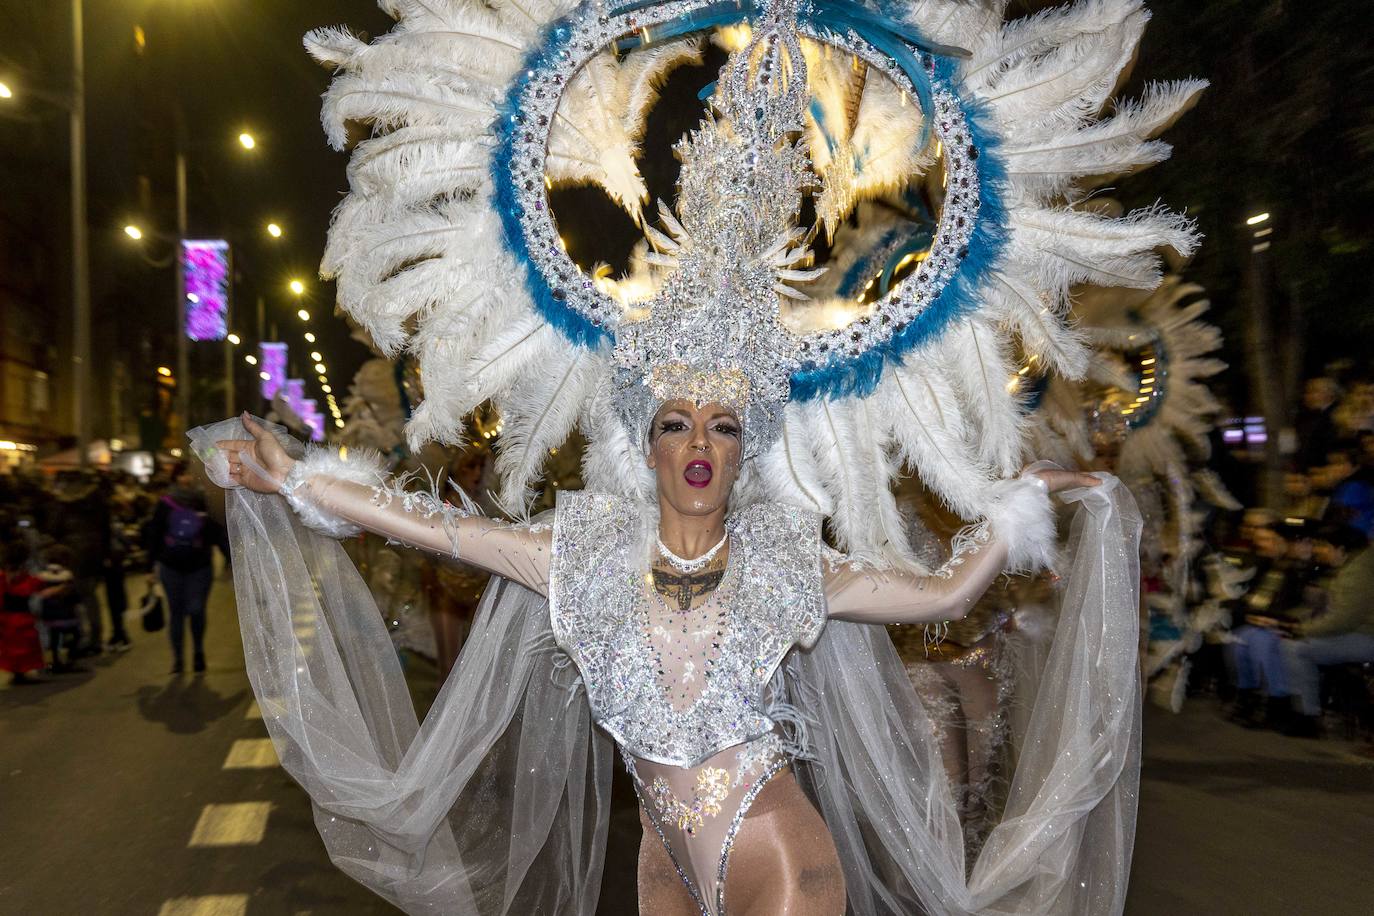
445,247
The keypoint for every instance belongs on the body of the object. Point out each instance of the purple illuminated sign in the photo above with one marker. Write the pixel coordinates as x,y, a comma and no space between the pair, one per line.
205,264
272,365
294,394
314,419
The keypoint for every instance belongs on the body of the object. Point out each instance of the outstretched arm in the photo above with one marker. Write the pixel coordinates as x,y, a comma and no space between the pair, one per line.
339,496
1018,537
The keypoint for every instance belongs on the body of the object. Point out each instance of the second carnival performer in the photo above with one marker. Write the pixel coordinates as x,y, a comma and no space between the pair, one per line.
687,606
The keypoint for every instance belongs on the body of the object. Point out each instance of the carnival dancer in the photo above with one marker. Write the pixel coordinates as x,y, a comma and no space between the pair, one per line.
687,605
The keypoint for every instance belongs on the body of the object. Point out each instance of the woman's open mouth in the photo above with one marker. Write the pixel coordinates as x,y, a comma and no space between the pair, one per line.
698,473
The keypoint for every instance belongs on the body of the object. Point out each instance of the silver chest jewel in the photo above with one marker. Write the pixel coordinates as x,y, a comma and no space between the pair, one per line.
691,566
597,599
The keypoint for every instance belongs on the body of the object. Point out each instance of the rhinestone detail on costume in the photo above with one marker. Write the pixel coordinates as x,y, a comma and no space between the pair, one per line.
597,583
714,785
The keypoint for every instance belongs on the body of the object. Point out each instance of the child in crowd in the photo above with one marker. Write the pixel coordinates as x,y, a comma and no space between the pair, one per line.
20,648
58,600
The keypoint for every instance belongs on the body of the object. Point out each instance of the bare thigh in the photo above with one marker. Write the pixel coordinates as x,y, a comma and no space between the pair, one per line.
784,860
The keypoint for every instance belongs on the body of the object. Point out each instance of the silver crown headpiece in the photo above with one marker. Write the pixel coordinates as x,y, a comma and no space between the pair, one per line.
712,333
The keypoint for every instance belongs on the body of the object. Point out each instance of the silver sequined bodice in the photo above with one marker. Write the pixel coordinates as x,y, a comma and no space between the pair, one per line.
596,581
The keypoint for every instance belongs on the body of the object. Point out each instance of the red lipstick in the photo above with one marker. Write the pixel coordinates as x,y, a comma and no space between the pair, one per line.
698,473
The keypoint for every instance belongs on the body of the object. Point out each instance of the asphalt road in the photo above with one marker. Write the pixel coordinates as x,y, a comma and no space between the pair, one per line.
125,790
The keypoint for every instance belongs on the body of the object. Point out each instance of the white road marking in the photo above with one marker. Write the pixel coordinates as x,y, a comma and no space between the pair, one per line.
214,905
251,754
238,824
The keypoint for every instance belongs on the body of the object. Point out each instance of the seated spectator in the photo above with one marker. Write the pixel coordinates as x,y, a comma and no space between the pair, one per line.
1261,619
1352,491
21,651
1300,498
1342,632
1316,425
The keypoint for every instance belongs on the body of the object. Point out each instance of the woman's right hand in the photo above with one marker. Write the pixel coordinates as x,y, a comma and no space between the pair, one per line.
262,451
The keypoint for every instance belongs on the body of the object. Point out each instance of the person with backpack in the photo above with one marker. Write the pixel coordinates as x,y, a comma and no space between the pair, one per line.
181,538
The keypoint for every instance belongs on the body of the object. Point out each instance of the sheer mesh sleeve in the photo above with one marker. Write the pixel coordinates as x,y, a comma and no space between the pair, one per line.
341,496
1018,535
866,594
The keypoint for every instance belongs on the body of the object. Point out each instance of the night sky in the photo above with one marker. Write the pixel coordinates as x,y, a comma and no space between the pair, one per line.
229,65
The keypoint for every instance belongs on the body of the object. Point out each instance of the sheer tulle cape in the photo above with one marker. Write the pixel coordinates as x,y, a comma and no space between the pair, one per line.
499,802
1063,845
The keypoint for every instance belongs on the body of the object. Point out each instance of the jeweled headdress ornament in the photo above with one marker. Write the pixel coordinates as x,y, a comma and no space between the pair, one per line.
713,332
447,245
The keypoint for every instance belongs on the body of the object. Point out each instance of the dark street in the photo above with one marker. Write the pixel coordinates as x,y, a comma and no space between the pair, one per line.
140,792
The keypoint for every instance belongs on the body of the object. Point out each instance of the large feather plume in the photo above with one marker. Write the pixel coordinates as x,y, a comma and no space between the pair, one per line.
422,265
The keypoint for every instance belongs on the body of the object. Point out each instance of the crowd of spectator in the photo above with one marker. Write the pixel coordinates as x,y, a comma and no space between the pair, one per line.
70,545
1302,636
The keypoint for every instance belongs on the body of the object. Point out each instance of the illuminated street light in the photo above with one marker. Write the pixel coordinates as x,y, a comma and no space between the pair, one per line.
265,376
327,390
251,360
164,372
5,91
133,232
317,357
1257,219
309,337
297,287
247,140
274,230
319,367
235,339
304,315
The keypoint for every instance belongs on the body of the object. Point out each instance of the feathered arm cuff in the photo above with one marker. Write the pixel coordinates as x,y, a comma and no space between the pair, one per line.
1022,518
361,466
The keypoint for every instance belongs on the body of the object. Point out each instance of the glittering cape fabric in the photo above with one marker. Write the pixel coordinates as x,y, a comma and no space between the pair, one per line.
1064,842
496,804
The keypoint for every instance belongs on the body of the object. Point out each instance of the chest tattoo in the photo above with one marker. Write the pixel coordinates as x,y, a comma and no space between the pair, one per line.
685,589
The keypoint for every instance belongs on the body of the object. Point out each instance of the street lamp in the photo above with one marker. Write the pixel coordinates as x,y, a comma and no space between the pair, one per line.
309,337
1257,219
247,140
274,230
297,287
235,339
133,232
303,315
251,360
317,357
319,367
5,91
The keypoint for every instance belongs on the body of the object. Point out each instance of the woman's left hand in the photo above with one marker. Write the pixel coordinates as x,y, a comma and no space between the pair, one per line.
1059,480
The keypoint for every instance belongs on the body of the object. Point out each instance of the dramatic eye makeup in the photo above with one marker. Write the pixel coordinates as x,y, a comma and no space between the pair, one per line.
727,427
670,425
